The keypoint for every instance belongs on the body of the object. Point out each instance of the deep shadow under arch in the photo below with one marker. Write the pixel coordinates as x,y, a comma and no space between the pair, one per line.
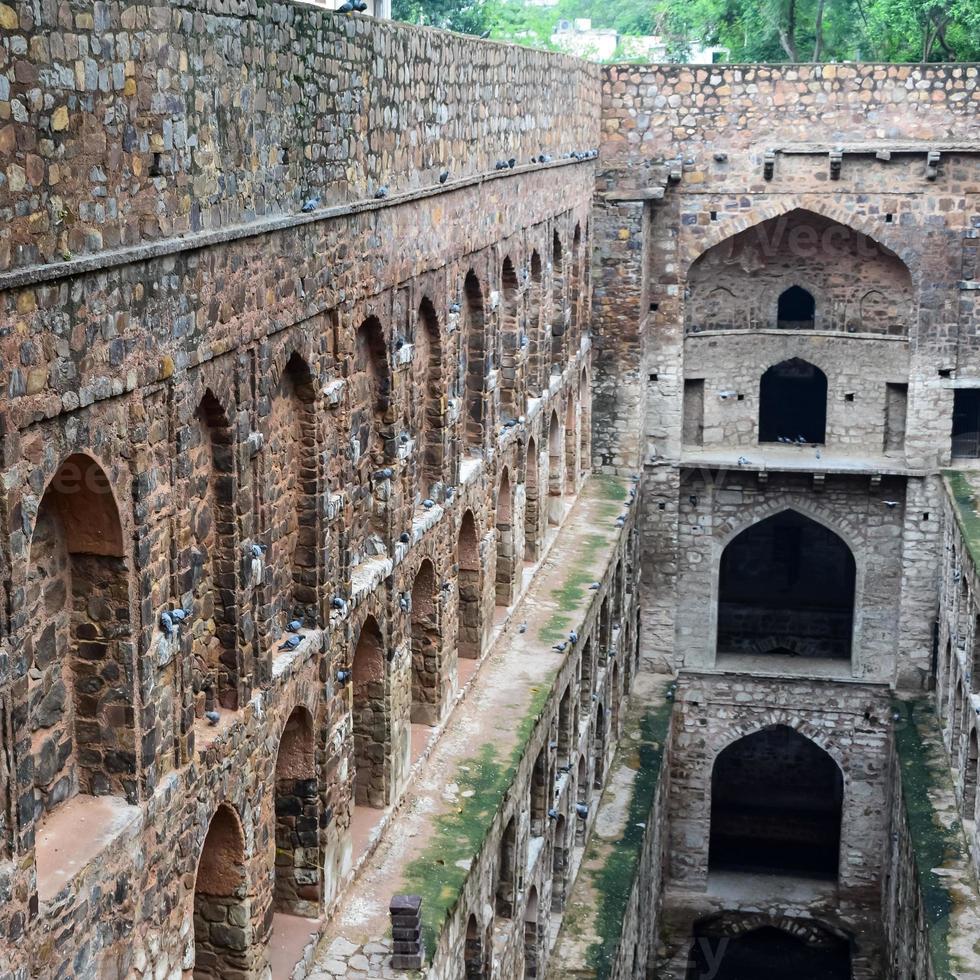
776,803
768,953
786,586
793,403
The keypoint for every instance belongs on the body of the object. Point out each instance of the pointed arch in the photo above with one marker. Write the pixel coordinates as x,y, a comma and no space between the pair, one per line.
507,871
469,590
585,423
475,363
796,309
536,329
223,937
210,578
555,470
793,403
787,585
430,419
532,935
426,647
474,957
297,886
510,341
532,502
506,559
575,290
79,647
292,494
776,805
371,717
559,315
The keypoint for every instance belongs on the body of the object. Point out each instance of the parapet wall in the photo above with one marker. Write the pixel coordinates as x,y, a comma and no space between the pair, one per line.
130,123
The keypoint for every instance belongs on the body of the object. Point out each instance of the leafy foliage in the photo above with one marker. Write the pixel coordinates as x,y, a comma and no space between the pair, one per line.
752,30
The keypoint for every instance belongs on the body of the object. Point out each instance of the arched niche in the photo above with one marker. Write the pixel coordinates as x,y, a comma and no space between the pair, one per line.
776,806
787,585
793,403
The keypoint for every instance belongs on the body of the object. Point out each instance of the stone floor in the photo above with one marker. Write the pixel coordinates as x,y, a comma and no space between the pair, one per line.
354,943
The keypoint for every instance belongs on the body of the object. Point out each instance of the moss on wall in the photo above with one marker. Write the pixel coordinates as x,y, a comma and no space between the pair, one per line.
936,845
439,873
618,860
965,497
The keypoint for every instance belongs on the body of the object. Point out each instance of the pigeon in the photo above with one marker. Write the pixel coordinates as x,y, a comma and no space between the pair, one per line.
573,636
166,624
404,537
338,603
818,454
511,163
522,628
510,423
360,6
743,461
380,193
292,643
384,474
545,158
449,492
560,647
346,7
800,440
500,165
485,35
178,615
594,586
552,746
294,625
343,676
258,550
444,176
454,308
620,521
310,204
428,503
552,814
446,586
403,602
890,503
213,717
582,809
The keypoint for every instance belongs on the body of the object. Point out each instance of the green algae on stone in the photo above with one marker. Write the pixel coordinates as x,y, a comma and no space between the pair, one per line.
965,498
573,590
934,845
440,872
613,881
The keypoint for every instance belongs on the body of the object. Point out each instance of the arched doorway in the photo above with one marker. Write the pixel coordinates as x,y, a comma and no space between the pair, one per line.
474,962
558,310
554,471
786,586
507,871
583,793
297,807
510,341
559,865
474,363
211,557
372,724
599,748
79,682
469,589
531,935
222,928
776,803
532,504
769,953
793,403
426,647
429,421
505,573
796,309
292,495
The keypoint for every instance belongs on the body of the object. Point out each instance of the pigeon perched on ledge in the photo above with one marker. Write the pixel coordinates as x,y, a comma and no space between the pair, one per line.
213,717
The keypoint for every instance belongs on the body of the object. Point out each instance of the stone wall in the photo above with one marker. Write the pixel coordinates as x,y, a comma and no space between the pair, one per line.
127,124
706,182
224,414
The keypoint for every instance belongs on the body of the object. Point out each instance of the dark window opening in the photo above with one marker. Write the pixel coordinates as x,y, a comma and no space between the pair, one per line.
776,800
966,423
768,953
786,584
793,403
797,309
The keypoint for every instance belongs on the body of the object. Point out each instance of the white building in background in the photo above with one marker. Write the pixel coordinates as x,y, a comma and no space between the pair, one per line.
580,38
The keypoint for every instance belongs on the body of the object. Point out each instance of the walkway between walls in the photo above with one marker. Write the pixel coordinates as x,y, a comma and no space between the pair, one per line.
495,720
